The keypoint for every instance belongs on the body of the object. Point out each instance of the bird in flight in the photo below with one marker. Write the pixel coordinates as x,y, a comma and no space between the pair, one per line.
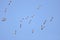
42,27
51,19
10,2
32,30
3,19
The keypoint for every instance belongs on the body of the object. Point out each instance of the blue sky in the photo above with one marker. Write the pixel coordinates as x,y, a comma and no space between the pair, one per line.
19,9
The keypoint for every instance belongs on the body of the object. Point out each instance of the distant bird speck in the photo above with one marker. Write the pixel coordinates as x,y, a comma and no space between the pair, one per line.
29,21
10,2
3,19
42,27
51,19
20,25
32,30
44,22
33,16
27,17
5,10
15,32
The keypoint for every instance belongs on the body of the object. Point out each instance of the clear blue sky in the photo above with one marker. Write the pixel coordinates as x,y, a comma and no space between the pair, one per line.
19,9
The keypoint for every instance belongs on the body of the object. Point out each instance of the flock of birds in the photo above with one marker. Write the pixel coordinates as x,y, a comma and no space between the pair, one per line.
29,22
25,18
